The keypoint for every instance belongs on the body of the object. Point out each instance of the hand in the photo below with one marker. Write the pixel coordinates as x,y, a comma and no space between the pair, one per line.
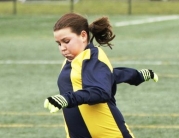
149,74
55,103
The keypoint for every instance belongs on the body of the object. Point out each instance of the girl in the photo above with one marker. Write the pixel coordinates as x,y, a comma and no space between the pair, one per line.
87,81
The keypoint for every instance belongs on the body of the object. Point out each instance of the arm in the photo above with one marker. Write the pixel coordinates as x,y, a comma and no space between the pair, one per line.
127,75
133,76
97,80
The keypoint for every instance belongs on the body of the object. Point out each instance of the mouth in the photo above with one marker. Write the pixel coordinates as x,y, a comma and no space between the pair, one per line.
68,57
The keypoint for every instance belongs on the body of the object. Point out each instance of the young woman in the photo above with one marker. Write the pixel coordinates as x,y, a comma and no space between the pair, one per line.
87,81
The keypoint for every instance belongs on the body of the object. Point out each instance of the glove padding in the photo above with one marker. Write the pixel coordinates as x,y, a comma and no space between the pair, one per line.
55,103
149,74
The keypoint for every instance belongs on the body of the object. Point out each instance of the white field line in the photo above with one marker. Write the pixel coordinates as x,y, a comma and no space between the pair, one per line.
25,125
54,62
62,125
28,62
148,20
176,115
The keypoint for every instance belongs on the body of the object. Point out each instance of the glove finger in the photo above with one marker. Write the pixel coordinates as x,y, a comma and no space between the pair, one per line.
155,77
46,103
50,106
54,109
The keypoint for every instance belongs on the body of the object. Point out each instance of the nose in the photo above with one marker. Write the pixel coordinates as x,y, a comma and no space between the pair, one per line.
63,47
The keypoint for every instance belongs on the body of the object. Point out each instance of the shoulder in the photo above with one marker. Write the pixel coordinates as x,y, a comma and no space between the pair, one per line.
98,54
95,51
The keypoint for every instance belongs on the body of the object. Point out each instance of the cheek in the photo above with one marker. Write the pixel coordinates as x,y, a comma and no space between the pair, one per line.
75,47
72,49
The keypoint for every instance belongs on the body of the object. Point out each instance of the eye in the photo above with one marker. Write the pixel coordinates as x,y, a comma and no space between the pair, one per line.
66,41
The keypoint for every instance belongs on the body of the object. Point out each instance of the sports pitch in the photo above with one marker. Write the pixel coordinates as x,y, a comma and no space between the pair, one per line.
30,63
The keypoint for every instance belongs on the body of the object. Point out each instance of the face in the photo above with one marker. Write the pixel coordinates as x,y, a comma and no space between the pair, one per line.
70,44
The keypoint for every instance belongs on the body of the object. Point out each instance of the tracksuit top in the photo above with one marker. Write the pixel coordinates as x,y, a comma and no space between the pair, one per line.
88,83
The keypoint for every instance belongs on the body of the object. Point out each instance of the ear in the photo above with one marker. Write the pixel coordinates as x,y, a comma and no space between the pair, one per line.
84,36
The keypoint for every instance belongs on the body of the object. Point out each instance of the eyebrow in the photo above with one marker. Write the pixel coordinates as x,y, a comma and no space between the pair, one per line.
57,42
63,39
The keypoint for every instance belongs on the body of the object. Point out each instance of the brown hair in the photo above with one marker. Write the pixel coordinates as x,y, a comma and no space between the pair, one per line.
100,29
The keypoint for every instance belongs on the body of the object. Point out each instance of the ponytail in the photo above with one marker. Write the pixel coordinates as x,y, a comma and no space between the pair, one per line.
102,31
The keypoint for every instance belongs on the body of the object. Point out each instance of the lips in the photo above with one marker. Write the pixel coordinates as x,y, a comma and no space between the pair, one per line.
69,58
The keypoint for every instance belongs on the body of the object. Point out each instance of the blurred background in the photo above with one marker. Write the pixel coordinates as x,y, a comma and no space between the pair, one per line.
122,7
146,37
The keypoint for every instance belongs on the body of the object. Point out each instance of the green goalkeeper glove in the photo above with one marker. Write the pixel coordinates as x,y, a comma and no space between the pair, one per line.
149,74
55,103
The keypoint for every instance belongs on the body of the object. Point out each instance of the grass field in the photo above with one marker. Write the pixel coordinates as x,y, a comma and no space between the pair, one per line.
30,63
138,7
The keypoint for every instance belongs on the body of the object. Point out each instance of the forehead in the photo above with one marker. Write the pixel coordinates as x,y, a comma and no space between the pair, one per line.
62,33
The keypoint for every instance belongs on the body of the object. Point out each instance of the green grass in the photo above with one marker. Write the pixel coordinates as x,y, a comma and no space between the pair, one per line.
151,109
92,7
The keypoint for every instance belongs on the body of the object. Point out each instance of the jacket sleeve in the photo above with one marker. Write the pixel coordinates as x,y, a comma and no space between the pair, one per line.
127,75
